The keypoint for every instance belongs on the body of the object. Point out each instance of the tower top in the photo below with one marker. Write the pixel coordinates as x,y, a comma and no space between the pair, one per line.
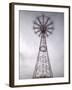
43,25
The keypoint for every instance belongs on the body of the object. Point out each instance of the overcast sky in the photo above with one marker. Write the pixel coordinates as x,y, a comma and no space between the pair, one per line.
29,44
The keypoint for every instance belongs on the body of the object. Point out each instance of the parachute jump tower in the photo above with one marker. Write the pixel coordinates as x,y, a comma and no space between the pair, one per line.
43,26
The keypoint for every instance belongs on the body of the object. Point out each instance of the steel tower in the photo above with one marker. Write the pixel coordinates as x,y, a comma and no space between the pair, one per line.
43,26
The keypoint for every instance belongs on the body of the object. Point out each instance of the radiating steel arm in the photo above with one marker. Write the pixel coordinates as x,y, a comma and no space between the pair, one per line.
36,23
35,27
51,23
47,20
43,19
52,28
37,31
39,20
49,31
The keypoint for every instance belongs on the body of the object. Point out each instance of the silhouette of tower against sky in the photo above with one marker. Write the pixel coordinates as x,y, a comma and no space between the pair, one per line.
43,26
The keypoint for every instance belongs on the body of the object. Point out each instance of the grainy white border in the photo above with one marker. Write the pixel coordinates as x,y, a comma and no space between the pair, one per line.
16,42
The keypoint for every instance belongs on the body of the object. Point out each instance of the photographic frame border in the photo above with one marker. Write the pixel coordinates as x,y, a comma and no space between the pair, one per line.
11,43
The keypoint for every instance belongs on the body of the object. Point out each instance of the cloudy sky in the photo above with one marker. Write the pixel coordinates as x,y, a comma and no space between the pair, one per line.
29,44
